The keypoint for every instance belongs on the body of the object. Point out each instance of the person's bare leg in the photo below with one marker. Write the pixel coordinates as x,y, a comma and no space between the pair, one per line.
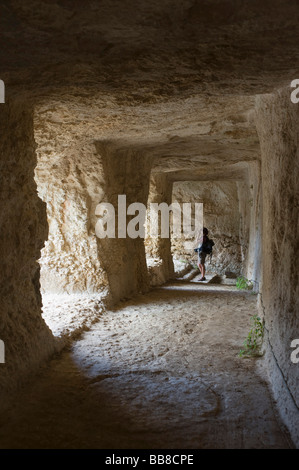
200,268
202,271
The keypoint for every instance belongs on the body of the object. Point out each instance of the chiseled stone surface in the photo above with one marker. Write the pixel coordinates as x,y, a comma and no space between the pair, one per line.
114,92
28,340
277,121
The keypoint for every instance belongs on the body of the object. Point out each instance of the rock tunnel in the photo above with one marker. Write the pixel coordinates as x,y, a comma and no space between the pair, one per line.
161,102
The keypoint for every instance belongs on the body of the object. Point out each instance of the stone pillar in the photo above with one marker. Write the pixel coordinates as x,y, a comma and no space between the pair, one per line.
27,339
250,209
158,248
126,173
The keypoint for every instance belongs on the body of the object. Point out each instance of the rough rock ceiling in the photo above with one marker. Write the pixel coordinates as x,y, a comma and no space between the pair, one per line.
176,79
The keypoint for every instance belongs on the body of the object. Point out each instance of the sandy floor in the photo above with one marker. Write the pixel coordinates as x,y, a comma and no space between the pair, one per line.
161,371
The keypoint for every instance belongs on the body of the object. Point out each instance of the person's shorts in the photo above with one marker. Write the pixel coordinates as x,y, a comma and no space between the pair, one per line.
202,258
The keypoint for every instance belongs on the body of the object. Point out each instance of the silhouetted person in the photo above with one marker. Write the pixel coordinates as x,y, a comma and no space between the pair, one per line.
202,254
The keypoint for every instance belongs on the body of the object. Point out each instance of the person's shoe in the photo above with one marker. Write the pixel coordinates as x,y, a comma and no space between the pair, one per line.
202,279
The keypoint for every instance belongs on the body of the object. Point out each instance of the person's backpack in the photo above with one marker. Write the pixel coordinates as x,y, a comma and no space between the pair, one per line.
206,247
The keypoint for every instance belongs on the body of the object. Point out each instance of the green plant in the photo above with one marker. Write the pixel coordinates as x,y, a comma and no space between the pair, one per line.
243,283
254,340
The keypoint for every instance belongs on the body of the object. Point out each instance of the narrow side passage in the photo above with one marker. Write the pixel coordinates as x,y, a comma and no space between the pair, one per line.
160,371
